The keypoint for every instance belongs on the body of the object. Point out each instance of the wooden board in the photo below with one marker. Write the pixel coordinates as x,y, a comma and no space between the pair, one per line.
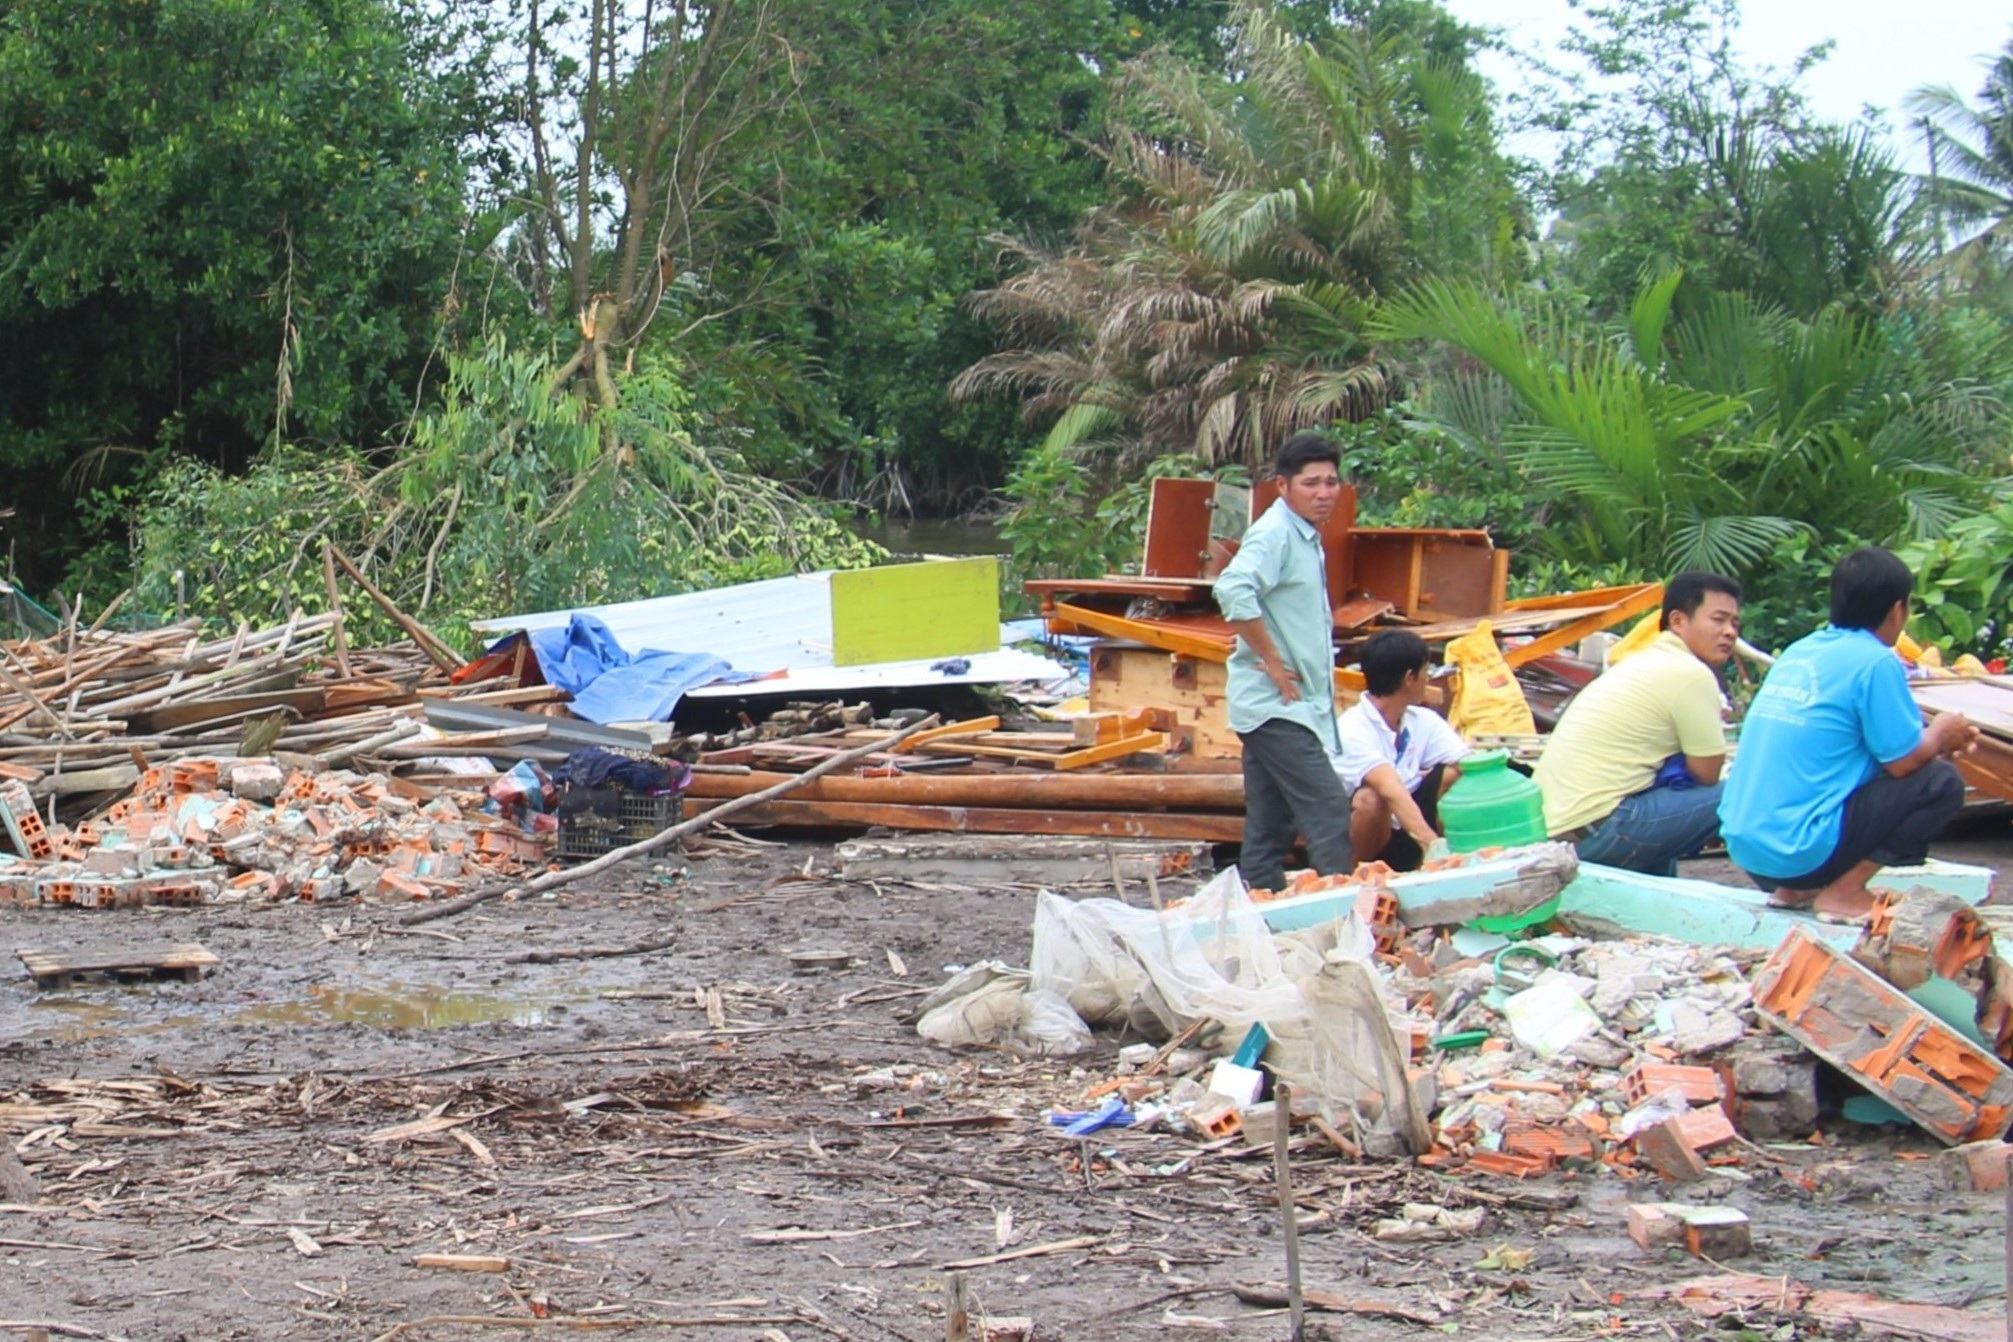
56,969
1178,516
1988,706
1043,757
1172,591
1430,575
1360,613
908,612
1007,788
172,717
987,820
1192,692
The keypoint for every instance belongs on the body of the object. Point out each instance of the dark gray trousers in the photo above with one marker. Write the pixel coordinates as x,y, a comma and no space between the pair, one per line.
1291,788
1887,820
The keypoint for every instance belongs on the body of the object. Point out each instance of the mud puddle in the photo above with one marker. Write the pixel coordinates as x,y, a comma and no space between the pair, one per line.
75,1017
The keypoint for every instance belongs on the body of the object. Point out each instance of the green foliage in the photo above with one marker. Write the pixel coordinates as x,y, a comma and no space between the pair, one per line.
222,222
1059,527
1678,156
1709,440
1970,187
1964,585
248,547
507,500
915,133
1052,530
1222,303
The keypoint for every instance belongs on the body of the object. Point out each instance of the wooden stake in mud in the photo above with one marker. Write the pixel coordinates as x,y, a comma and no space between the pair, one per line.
1282,1175
957,1310
553,880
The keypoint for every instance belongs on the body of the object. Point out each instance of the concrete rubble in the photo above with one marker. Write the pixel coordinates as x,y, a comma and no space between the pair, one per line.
196,831
1646,1058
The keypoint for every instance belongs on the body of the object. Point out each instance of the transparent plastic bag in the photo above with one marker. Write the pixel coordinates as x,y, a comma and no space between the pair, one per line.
1077,956
1341,1049
1214,956
1050,1027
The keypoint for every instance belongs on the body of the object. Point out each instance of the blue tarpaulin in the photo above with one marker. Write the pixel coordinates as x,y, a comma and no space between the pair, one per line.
608,684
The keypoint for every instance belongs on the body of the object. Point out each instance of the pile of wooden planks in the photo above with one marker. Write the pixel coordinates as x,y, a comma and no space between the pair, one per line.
83,713
1107,775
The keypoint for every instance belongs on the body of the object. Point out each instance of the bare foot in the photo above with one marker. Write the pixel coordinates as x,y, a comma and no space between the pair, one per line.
1850,903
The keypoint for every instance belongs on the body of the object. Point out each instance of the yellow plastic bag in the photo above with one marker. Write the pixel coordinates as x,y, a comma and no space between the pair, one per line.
1487,701
1638,638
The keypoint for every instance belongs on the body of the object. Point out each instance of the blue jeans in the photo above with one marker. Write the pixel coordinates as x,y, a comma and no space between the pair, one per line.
1651,830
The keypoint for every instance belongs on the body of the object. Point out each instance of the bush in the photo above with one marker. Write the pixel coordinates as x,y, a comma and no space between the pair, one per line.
509,498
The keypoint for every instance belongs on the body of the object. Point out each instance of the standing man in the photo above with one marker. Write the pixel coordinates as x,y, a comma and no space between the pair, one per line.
1837,777
1282,673
1398,756
1631,775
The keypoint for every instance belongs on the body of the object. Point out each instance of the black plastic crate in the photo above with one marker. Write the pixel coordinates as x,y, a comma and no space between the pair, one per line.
635,817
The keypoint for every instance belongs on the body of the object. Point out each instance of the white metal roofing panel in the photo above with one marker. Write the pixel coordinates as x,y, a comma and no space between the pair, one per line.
781,624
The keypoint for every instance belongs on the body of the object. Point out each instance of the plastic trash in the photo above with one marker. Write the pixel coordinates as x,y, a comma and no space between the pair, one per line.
1550,1018
1113,1113
1050,1027
1666,1104
982,1005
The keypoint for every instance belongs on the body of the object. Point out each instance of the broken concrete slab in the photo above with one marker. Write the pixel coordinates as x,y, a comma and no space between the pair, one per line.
1608,901
1499,887
1774,1081
1866,1027
1924,933
1980,1166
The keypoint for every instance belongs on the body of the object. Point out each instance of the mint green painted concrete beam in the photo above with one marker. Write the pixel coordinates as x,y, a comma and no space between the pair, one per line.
1609,900
1420,894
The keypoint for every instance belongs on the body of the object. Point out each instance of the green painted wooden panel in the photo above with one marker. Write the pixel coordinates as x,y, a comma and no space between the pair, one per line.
903,612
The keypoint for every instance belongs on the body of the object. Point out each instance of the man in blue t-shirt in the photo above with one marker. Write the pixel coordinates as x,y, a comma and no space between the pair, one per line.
1836,776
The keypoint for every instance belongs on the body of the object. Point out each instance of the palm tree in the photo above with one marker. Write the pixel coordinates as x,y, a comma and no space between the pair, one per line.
1703,441
1970,182
1221,304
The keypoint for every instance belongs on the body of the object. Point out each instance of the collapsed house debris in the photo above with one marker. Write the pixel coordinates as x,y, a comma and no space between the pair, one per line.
1403,1031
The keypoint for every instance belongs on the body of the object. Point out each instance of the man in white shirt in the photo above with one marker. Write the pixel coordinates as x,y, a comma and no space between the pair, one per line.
1398,757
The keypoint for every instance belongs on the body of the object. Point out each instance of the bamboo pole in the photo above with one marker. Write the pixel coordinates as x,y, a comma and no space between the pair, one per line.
437,652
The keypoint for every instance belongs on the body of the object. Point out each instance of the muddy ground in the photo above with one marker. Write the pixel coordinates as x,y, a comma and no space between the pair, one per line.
215,1159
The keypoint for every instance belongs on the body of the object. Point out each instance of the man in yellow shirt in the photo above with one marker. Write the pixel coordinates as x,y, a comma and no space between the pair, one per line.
1632,773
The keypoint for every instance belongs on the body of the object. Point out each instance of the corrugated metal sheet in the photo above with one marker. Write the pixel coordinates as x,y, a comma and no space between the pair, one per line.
783,624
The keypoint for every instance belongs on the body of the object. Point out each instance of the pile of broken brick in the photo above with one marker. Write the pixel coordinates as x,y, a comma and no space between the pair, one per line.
1678,1060
203,830
1643,1057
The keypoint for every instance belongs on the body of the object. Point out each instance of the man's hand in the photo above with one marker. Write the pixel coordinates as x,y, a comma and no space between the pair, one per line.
1952,734
1287,681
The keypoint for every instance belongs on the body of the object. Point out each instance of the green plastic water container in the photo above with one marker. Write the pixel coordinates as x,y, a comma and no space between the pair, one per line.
1492,806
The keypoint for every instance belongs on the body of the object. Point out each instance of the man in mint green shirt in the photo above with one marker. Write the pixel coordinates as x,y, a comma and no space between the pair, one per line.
1282,673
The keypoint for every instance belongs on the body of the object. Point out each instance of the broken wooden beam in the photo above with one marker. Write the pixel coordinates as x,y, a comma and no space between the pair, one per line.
1019,788
989,820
